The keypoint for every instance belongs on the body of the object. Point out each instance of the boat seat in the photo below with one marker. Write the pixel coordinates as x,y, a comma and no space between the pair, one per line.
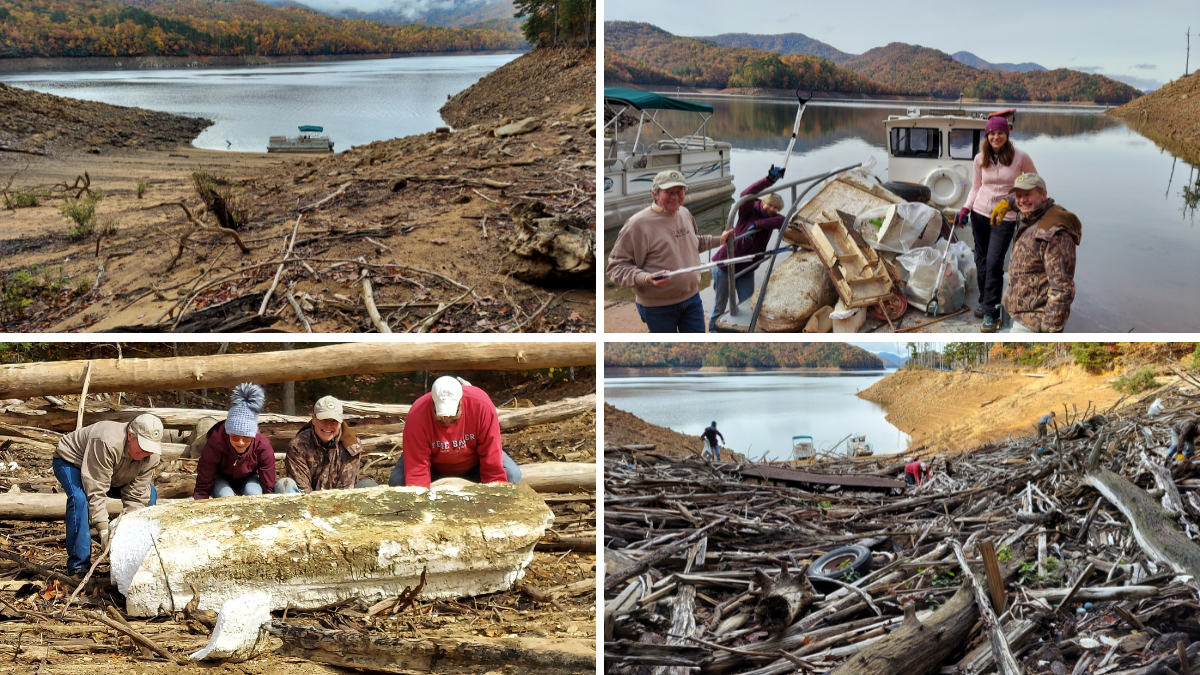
663,159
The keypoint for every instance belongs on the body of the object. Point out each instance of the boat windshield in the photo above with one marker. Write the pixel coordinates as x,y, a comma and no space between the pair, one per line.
619,101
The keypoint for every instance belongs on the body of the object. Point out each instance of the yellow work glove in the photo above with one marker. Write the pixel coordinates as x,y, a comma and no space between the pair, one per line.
999,211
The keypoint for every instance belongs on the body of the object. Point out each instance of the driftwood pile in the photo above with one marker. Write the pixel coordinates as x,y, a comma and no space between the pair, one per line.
1069,555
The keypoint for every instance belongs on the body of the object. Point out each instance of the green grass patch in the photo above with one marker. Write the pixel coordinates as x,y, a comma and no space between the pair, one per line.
1136,383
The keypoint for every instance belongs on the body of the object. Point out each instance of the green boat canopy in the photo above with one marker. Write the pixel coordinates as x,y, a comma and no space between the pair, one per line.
644,100
308,127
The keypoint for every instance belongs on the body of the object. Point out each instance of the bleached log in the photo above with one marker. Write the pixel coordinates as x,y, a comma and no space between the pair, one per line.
38,506
1153,527
311,550
226,370
1097,594
916,648
1171,501
1006,663
381,653
981,659
559,476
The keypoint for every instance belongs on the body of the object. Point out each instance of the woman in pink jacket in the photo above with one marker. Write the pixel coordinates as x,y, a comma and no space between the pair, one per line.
997,165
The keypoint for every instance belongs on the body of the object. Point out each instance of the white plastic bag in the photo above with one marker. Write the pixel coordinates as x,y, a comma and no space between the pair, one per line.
919,271
915,225
847,320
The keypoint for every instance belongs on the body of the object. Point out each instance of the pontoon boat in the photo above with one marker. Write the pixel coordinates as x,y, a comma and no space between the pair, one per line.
307,141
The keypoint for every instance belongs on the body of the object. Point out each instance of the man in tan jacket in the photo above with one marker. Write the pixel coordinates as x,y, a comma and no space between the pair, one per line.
660,238
102,460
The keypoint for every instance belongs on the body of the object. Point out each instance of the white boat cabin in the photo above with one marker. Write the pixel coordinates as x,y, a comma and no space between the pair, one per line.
936,148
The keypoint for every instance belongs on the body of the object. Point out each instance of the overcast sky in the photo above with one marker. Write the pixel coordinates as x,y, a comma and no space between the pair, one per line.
1140,43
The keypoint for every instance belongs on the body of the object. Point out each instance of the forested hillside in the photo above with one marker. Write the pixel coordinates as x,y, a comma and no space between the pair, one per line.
738,355
783,43
928,72
642,49
644,54
51,28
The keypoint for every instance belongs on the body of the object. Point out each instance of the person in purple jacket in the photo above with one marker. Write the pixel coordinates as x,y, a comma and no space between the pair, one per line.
758,217
237,459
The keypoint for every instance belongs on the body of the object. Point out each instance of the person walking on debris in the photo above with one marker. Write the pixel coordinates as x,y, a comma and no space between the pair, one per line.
1183,438
325,454
997,165
660,238
453,431
1041,271
102,460
1043,422
758,217
916,473
236,458
711,449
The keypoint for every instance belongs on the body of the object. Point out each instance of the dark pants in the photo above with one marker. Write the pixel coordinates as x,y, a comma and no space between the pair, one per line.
683,317
745,289
511,470
1041,430
79,538
991,244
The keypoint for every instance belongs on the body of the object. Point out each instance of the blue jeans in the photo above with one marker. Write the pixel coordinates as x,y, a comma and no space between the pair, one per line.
79,537
683,317
745,288
511,470
287,486
224,486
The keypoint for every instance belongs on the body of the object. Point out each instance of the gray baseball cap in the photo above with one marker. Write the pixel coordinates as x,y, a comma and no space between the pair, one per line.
328,408
149,432
668,179
1029,181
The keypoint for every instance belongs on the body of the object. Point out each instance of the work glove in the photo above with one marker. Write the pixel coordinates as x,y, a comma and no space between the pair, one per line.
1000,211
776,173
961,219
105,532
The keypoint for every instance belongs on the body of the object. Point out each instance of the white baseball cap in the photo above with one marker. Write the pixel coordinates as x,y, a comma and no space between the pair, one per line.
149,432
328,408
447,392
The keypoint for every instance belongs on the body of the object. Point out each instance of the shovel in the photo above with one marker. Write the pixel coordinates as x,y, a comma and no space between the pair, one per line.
934,302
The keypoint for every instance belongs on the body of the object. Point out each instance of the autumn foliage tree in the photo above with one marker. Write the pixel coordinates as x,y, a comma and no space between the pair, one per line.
557,22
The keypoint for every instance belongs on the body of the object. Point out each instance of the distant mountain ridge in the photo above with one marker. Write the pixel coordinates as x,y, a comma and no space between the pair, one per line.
970,59
738,355
448,13
641,53
784,43
892,360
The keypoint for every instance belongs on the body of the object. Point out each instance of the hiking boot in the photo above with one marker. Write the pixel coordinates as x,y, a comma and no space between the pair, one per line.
979,314
989,325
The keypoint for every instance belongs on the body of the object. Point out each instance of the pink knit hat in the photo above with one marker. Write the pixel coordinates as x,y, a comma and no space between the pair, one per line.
996,123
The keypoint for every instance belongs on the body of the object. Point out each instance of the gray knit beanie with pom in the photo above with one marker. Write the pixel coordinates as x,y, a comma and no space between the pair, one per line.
247,400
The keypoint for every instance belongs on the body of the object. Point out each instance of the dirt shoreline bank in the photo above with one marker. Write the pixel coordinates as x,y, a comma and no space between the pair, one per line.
957,411
63,63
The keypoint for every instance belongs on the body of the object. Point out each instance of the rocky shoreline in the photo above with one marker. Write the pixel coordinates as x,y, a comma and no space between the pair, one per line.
1169,116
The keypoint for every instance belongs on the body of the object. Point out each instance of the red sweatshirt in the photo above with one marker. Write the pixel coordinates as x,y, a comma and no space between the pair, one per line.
218,456
914,469
474,440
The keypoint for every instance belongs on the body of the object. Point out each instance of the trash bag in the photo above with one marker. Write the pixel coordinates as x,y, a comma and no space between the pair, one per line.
915,225
919,270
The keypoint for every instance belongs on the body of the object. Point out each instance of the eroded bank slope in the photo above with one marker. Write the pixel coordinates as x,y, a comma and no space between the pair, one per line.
960,410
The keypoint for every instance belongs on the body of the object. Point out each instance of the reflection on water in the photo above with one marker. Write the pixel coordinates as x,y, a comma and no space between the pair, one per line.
356,101
1135,267
758,412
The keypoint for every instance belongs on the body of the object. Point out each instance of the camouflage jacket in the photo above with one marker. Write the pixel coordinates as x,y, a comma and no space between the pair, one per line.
1041,271
315,468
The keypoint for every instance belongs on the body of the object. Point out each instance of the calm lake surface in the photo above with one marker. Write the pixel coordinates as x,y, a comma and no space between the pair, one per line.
356,101
757,412
1137,260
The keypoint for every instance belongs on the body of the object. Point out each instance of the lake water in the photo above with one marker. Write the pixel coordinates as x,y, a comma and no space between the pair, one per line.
355,101
1136,265
758,412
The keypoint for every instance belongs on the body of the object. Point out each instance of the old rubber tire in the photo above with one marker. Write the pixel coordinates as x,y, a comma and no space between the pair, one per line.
909,192
844,564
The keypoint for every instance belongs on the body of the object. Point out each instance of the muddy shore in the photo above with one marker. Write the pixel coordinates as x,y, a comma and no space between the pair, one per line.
1169,116
98,63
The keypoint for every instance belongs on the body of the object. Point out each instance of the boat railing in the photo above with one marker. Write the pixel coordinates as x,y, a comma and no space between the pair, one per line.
813,181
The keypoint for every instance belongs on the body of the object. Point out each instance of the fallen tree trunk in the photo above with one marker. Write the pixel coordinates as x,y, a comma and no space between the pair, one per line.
510,419
1153,527
227,370
543,477
916,648
351,649
783,598
581,542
